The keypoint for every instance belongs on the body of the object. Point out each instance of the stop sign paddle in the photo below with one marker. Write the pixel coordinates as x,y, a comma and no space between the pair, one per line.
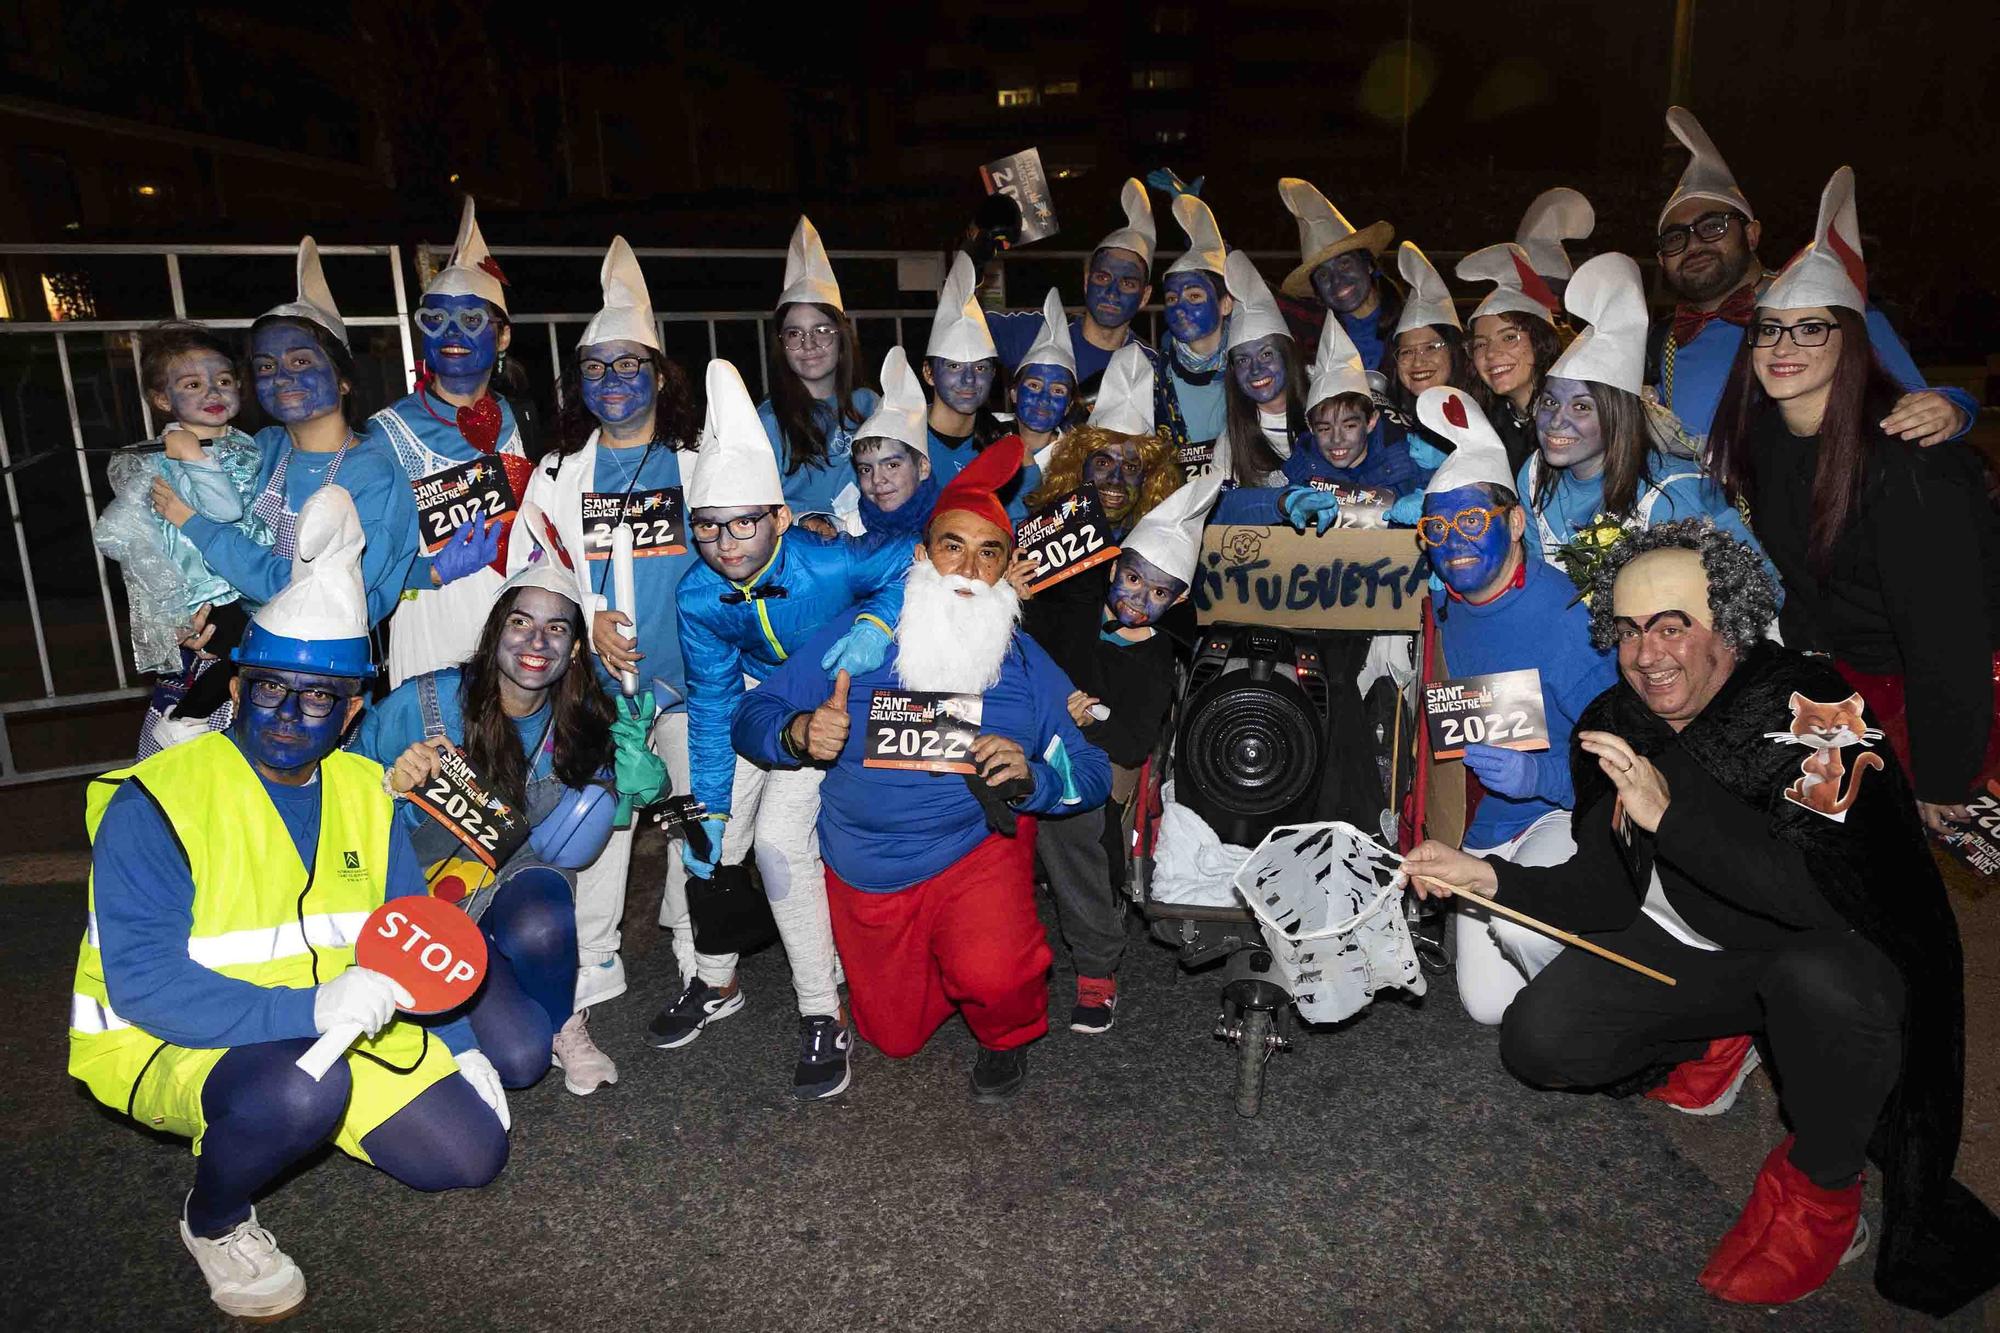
423,944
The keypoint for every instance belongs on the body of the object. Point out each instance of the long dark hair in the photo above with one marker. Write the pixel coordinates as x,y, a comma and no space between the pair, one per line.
580,722
1621,418
337,352
804,439
676,420
1860,394
1545,344
1251,457
1458,376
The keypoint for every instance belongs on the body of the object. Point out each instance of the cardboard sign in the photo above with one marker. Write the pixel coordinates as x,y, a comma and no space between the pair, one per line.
655,516
1443,780
1342,579
1068,537
458,799
1503,708
434,950
1020,177
448,499
922,729
1978,845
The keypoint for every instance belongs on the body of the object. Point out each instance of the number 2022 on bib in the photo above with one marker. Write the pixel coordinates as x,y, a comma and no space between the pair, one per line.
1066,538
1503,709
922,729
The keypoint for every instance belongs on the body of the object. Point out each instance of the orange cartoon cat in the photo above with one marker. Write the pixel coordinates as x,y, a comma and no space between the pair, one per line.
1826,729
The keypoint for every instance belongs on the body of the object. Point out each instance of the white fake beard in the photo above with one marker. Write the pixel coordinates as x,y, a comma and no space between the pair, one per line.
953,644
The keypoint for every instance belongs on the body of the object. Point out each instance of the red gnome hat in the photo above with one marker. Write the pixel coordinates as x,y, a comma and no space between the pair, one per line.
974,489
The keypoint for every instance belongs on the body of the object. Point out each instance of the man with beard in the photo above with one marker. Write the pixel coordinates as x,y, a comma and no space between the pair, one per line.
1813,919
1708,257
930,875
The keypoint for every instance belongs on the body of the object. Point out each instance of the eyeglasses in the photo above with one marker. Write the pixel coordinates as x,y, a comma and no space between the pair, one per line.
270,694
1405,355
819,335
1805,333
625,367
1471,524
743,527
470,320
1708,228
1504,338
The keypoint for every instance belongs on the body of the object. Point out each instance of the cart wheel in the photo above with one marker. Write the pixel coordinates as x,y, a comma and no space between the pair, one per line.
1253,1051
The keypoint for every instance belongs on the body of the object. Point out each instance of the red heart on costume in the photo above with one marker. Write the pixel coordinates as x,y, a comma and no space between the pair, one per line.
480,424
1454,411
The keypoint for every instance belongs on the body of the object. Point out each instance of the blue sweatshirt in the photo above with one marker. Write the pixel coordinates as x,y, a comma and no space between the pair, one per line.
1014,334
144,897
1201,394
371,473
1540,625
883,829
654,577
1387,465
811,488
395,724
908,521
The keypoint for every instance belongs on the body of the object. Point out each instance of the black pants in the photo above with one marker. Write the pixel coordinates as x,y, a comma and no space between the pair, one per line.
211,689
1828,1004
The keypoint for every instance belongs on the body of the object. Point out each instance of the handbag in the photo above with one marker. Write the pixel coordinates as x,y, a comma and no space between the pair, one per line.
729,912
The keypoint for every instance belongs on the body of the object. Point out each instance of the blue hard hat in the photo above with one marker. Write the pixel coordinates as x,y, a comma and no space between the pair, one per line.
321,657
574,833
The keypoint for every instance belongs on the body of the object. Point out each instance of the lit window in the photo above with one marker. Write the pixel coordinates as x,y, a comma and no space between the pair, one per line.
1017,96
147,191
68,296
1170,136
1062,88
1160,80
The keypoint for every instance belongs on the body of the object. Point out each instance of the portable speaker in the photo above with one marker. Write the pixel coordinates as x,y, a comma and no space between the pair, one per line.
1251,748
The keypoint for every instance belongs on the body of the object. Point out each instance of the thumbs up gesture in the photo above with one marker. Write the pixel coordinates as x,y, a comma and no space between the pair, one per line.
826,726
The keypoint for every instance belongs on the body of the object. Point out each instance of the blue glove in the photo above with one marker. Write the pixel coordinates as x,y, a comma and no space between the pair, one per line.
1503,772
1168,182
1308,504
693,860
1406,511
469,549
860,650
1424,454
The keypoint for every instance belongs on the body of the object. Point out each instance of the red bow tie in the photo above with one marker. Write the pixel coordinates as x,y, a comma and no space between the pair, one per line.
1738,309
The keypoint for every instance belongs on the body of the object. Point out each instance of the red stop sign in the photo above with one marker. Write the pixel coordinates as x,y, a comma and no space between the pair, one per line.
435,951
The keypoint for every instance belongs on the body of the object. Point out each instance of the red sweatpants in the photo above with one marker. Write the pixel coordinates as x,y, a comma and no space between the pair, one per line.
966,939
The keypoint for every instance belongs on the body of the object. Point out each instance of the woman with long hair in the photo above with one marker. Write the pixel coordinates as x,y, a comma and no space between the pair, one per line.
1891,552
1264,416
1514,339
1426,352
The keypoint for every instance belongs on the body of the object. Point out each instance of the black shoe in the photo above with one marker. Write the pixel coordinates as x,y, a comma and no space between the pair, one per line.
698,1006
998,1075
823,1050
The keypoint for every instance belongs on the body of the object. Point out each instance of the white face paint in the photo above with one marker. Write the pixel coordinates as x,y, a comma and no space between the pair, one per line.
954,632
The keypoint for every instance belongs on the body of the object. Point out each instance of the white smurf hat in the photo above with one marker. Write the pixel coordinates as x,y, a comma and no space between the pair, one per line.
1169,536
1138,234
808,273
318,622
1256,314
958,330
1829,271
901,413
1429,301
1608,295
550,564
315,298
1323,233
1336,367
1477,455
734,464
627,315
1125,393
1707,175
1517,286
1053,346
1556,216
472,270
1205,253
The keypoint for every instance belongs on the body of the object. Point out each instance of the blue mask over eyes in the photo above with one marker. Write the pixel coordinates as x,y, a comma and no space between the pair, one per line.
1570,426
964,385
1042,395
284,739
1468,564
296,380
1115,287
616,399
1194,310
461,339
1343,282
1259,370
1140,591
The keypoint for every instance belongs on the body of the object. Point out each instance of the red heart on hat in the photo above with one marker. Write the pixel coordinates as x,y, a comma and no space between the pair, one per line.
1454,411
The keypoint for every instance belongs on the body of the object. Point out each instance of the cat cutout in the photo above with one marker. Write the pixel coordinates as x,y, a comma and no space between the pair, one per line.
1826,729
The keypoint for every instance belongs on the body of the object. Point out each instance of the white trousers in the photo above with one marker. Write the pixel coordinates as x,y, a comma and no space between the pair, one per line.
600,886
1496,957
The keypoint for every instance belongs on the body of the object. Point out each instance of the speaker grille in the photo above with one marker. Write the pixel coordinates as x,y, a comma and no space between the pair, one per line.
1251,749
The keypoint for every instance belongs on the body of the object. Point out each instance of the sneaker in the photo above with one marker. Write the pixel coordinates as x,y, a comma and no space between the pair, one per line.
824,1071
1791,1237
600,983
1709,1086
699,1005
585,1068
998,1075
248,1275
1096,998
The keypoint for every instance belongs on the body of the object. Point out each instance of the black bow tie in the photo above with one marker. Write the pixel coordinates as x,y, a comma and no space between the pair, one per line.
761,591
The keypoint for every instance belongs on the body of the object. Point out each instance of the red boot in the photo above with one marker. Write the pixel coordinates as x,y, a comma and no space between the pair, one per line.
1708,1086
1790,1238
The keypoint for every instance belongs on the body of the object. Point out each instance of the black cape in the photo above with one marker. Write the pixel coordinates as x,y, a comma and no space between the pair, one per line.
1940,1246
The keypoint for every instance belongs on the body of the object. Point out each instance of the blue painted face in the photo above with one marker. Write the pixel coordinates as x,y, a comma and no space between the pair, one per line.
1468,565
1118,471
1259,370
461,338
202,389
1570,426
1194,307
963,385
1140,591
1114,287
627,386
296,380
1042,395
287,738
538,639
1343,283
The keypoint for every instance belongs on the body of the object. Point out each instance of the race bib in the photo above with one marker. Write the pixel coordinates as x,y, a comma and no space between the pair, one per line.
655,516
458,799
922,729
1067,538
1196,459
1503,709
449,499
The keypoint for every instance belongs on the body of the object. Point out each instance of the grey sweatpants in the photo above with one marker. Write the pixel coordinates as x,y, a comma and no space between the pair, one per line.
1089,911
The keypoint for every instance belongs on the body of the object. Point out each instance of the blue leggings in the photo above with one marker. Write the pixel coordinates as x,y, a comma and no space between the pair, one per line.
530,983
264,1114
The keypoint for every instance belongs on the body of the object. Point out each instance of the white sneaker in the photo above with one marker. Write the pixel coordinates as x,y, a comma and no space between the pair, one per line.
585,1068
597,983
248,1275
169,731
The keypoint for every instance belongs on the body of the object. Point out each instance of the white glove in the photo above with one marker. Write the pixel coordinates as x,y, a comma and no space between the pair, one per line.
364,999
169,731
485,1080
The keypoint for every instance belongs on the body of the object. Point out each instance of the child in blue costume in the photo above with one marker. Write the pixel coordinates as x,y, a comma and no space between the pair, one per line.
1194,352
892,471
